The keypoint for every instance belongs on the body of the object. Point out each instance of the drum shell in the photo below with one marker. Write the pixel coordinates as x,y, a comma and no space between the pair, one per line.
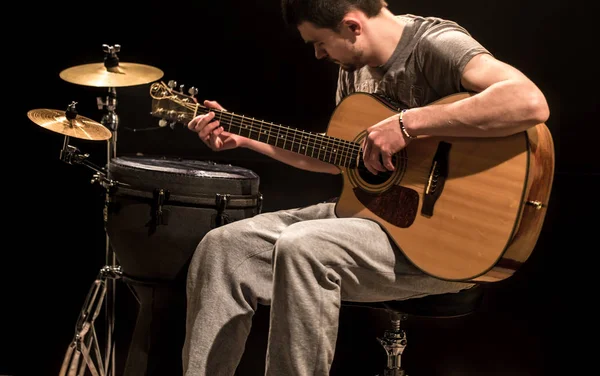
158,216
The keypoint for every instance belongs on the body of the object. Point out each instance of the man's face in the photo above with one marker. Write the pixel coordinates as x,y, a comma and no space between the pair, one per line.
341,48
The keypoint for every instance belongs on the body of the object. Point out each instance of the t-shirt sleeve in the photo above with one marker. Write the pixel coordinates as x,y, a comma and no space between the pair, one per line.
443,52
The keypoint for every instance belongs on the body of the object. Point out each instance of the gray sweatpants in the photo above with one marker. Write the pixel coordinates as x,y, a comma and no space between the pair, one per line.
302,263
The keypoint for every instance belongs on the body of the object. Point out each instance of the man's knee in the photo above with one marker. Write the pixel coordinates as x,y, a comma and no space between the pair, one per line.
295,243
212,249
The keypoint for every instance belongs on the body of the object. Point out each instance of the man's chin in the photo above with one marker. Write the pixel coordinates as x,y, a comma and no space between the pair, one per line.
347,68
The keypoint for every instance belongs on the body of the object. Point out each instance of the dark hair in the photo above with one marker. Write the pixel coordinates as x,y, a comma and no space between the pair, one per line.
326,13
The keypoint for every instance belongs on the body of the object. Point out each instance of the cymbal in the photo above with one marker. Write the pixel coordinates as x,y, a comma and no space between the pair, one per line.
124,74
79,127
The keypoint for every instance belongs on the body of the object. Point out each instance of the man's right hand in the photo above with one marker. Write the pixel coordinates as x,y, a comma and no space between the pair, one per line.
211,132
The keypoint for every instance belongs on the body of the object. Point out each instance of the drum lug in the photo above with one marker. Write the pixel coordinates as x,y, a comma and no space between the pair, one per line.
259,203
161,216
158,216
221,218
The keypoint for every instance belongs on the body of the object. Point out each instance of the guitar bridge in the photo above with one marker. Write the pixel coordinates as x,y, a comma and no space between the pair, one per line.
437,177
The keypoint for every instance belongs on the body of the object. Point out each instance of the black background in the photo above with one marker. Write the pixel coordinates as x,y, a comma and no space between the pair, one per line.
239,53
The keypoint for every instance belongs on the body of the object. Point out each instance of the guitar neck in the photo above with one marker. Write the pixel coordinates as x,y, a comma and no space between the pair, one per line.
322,147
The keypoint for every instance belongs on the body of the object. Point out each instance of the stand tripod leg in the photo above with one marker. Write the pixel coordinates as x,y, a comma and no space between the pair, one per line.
110,311
85,340
111,260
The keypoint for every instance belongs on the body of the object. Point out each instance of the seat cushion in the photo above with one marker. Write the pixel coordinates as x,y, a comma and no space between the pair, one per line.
441,305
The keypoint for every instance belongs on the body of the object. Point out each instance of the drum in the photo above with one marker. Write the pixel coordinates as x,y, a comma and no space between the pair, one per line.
162,207
159,209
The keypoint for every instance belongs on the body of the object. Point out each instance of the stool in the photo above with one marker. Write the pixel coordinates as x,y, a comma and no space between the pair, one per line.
448,305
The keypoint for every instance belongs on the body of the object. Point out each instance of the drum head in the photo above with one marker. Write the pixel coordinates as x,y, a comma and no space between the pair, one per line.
184,177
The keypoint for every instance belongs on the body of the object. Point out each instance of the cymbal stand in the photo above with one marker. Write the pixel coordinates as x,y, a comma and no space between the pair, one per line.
110,120
85,342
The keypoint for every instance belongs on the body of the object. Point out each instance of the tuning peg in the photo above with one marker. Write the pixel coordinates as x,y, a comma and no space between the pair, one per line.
193,91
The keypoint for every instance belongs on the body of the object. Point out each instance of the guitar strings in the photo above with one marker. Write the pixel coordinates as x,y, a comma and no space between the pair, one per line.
326,144
330,147
420,174
346,150
416,183
241,118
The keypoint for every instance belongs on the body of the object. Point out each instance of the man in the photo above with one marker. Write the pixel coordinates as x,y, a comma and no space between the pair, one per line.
304,262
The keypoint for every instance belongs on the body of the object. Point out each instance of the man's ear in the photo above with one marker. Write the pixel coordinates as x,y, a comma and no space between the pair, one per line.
353,25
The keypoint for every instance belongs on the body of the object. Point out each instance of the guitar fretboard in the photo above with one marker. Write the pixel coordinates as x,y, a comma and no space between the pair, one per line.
325,148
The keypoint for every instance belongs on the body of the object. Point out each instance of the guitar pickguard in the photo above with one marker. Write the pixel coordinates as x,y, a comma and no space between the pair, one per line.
398,205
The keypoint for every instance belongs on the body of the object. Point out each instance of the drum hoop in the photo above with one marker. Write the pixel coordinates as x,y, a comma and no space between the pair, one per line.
234,201
132,165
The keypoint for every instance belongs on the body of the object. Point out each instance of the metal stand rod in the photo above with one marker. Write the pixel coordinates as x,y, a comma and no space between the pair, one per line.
111,121
110,301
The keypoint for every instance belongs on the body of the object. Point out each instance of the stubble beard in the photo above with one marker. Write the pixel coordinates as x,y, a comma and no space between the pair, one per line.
356,63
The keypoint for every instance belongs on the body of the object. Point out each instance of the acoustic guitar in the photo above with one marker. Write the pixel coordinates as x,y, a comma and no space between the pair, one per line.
460,209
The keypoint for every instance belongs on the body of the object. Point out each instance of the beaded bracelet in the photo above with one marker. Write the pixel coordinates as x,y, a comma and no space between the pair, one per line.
404,128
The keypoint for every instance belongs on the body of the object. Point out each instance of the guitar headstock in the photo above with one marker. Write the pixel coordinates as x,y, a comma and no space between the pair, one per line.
170,105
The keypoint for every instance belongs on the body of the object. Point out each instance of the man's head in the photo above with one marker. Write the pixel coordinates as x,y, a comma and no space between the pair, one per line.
334,27
326,14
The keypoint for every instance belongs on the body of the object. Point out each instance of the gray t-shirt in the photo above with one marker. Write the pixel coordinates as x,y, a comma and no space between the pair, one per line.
426,65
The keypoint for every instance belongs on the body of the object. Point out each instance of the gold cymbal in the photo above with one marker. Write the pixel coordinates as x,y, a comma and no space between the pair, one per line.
124,74
79,127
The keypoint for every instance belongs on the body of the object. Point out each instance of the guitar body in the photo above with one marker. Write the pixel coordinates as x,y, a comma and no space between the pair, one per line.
460,209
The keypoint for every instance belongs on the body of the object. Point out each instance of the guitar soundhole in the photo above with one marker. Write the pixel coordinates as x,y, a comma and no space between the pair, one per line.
370,178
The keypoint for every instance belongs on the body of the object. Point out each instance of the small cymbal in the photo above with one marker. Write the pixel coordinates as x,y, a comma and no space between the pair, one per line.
124,74
79,127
